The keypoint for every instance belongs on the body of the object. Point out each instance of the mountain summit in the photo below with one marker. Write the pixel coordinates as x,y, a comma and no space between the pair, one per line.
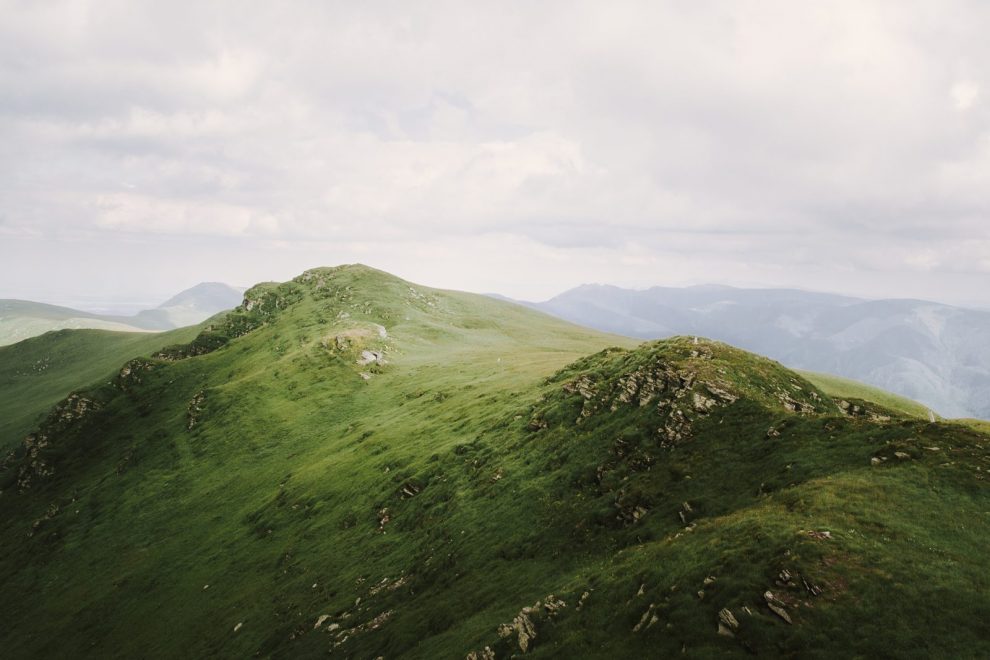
355,465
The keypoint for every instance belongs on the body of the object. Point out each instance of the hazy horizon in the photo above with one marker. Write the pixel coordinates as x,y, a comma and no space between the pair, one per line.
521,150
130,304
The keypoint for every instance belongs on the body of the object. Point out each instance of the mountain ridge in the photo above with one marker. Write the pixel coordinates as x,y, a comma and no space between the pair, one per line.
926,351
354,464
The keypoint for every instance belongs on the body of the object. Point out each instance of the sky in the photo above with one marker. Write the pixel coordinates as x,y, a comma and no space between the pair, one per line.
519,148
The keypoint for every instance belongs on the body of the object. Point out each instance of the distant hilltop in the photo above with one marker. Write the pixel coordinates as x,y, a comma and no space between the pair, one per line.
21,319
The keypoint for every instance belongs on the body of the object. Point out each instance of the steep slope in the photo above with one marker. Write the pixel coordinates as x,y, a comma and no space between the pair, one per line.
37,373
932,353
352,464
22,319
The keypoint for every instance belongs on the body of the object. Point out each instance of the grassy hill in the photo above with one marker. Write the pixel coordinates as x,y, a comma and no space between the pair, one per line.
39,372
846,388
23,319
353,465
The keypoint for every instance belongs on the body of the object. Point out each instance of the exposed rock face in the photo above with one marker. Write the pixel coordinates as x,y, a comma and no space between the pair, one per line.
194,409
131,373
371,357
523,626
661,384
71,411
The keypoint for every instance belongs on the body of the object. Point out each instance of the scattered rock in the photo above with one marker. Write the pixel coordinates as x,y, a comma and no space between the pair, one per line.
320,621
903,455
776,606
875,461
388,585
238,626
646,619
484,654
820,536
410,489
727,623
371,357
784,578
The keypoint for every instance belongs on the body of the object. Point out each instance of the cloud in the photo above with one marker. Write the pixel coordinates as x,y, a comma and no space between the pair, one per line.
964,94
644,142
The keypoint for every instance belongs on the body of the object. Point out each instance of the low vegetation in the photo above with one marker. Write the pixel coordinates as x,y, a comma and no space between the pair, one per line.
352,465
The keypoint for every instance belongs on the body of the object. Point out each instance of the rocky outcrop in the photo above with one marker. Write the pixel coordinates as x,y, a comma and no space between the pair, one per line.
194,409
35,463
371,357
522,631
132,373
678,394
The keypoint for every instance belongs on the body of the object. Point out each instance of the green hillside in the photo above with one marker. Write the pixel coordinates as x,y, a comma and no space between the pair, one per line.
353,465
846,388
23,319
37,373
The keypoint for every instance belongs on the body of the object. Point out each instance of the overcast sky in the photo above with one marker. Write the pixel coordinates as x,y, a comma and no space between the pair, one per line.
521,148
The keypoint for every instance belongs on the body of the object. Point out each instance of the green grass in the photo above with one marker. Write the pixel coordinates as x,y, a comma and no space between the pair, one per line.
37,373
516,459
845,388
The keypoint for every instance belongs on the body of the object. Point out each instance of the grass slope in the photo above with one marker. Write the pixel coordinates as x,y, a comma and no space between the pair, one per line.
491,482
846,388
37,373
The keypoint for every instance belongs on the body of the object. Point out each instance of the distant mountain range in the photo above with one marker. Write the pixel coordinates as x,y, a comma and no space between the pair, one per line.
934,353
21,319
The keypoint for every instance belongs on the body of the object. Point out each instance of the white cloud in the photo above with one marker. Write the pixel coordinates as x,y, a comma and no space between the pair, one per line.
964,94
642,142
